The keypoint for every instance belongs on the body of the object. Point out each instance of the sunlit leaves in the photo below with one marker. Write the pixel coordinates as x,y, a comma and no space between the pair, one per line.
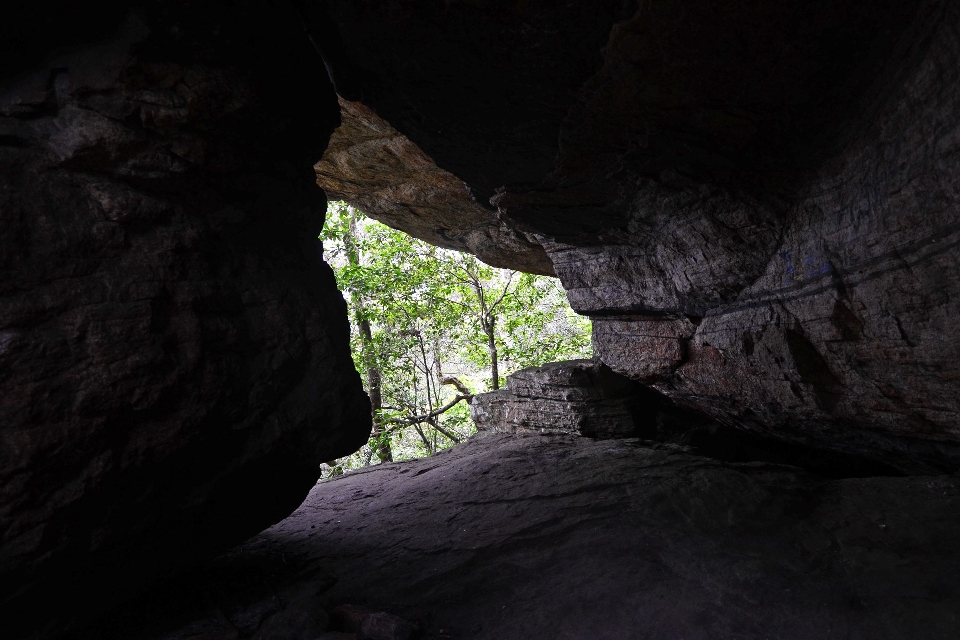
426,310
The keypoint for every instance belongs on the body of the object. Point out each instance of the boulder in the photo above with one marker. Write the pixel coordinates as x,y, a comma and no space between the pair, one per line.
586,398
385,626
347,617
575,396
293,623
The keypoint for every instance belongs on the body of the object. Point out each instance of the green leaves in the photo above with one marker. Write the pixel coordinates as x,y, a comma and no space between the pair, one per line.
431,314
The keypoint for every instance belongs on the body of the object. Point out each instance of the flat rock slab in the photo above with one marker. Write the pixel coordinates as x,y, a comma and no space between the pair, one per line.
532,536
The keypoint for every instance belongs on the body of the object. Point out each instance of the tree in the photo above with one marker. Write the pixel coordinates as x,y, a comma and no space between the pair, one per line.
430,325
349,239
485,304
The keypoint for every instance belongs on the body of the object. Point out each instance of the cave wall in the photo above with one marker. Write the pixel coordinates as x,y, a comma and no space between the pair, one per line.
757,204
174,353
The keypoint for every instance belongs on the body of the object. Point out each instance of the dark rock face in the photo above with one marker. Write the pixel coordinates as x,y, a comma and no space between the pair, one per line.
542,537
581,397
756,203
384,626
293,624
173,351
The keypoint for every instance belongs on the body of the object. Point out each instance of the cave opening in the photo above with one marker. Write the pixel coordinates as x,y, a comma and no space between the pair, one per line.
431,328
753,204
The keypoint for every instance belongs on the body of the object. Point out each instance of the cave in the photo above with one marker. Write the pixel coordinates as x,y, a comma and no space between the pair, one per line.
757,204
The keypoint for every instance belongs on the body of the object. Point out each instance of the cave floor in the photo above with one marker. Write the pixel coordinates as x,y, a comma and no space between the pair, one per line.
529,536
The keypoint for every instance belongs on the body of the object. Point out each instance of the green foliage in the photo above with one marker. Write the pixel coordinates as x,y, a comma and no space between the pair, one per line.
421,315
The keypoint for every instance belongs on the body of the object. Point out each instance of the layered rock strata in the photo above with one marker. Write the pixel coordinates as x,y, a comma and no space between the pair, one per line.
586,398
540,537
581,397
757,205
174,359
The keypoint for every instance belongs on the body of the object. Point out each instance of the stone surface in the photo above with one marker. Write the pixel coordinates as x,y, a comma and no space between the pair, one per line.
757,203
293,624
586,398
375,168
542,537
580,397
347,617
174,360
247,620
384,626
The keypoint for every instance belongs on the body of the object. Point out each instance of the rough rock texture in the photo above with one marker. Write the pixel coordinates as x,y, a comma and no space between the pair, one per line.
174,361
385,626
582,397
377,169
756,202
543,537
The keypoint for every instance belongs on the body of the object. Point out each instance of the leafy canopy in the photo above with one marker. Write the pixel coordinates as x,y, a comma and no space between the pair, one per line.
430,327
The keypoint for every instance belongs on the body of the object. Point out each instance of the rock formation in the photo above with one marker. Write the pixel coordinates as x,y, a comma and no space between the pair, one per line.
586,398
379,170
536,537
173,350
578,397
756,203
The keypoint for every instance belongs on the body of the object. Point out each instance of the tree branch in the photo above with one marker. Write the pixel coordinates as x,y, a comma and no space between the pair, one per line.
403,422
506,289
456,382
452,436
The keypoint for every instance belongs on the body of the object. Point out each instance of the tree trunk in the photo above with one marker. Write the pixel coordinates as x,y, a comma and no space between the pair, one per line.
490,328
373,373
384,451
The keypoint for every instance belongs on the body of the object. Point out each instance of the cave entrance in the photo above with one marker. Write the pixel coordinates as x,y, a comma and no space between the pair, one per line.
433,323
431,327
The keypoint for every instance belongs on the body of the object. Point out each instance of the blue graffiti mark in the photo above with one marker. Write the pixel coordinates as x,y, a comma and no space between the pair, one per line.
810,267
789,267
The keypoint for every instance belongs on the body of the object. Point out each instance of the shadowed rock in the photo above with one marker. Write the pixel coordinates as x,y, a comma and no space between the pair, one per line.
534,537
174,359
756,203
584,397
